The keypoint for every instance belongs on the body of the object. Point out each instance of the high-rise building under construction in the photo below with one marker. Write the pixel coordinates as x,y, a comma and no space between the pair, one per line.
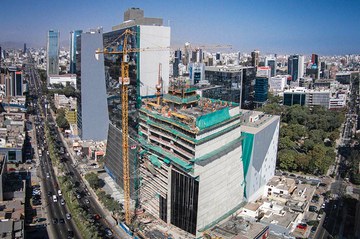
198,162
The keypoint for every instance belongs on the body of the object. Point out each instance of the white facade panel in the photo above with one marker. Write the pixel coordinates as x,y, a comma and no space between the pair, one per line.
260,178
220,187
216,143
157,39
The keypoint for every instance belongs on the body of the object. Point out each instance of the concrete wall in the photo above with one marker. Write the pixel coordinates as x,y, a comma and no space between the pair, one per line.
220,187
95,117
157,38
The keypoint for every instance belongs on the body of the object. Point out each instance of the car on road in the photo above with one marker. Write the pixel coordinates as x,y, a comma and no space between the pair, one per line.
59,192
70,234
68,216
108,232
62,202
47,175
54,220
61,220
86,201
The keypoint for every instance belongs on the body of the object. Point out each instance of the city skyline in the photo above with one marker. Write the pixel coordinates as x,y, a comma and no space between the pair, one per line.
283,27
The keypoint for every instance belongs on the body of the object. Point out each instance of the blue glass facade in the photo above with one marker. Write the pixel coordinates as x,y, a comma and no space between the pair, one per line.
261,89
53,52
113,161
73,36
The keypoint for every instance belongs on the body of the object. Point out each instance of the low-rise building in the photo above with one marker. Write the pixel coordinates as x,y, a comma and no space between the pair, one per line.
278,186
62,79
12,136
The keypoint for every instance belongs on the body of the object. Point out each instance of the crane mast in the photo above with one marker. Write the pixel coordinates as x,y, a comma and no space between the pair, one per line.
125,81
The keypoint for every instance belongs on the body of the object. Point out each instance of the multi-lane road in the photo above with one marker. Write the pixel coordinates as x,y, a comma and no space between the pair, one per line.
55,209
60,226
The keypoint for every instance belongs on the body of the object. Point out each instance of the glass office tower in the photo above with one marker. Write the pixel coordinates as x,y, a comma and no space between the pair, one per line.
52,53
113,162
73,36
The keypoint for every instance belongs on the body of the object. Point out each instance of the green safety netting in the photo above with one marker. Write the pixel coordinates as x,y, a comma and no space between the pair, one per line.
186,137
155,161
213,118
247,148
166,155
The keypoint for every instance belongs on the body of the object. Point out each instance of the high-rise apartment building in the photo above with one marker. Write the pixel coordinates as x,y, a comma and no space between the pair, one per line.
315,59
271,62
92,115
177,61
73,36
52,52
296,67
13,81
255,58
144,74
196,73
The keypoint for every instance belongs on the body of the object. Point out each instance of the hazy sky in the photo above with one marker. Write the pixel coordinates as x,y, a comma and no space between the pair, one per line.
272,26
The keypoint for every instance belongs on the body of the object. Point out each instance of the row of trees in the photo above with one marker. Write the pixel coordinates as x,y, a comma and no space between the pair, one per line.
61,120
307,137
96,183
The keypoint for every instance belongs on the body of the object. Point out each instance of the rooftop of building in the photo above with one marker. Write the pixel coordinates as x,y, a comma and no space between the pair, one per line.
227,68
63,76
282,183
184,107
305,90
237,227
135,16
254,121
12,126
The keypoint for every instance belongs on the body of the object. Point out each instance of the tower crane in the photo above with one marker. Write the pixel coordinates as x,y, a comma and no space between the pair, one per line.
124,80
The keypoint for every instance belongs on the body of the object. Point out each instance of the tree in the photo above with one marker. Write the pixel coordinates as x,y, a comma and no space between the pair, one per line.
308,145
94,181
287,159
62,122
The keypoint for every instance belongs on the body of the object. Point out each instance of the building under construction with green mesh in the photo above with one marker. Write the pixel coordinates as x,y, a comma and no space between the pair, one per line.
191,169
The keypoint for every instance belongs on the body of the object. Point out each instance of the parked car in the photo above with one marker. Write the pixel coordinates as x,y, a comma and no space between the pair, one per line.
302,226
313,209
